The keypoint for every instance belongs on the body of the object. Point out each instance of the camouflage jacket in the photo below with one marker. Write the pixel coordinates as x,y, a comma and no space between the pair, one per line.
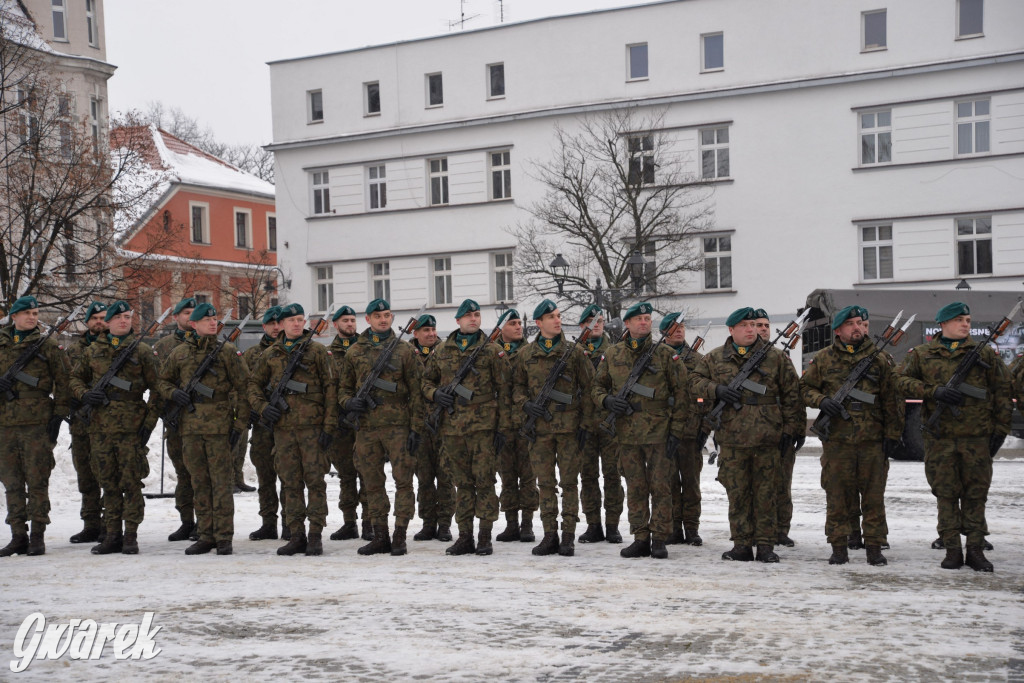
530,371
227,378
163,346
127,410
489,408
931,365
422,352
317,406
762,420
76,350
251,354
1017,378
594,353
34,405
658,416
882,419
697,408
402,408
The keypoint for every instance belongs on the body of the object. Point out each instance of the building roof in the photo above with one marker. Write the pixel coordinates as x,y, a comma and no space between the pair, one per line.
18,27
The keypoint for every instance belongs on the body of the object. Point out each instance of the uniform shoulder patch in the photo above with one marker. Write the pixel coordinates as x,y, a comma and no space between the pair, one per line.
501,354
675,357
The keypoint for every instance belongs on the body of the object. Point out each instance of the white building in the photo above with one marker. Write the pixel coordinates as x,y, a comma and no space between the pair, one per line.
855,144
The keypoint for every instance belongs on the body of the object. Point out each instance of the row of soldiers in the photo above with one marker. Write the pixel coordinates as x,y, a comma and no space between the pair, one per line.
539,414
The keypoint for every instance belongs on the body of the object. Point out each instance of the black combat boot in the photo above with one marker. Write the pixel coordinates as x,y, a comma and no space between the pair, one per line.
611,533
427,533
511,532
130,545
398,546
875,556
267,532
693,538
463,545
286,533
367,530
90,534
937,544
194,536
548,545
593,534
296,544
785,540
381,542
483,543
954,559
200,547
854,540
739,553
242,487
444,531
314,544
677,536
840,554
17,546
766,554
346,532
526,534
36,543
111,543
183,532
224,548
975,559
987,546
658,549
567,548
638,548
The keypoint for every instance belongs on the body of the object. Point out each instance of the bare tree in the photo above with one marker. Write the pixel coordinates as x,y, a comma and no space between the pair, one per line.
616,190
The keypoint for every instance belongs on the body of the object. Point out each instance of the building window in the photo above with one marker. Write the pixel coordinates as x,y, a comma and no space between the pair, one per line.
202,297
442,271
65,139
501,174
503,277
641,160
876,252
271,232
199,229
970,15
243,302
94,120
718,262
28,123
495,81
321,193
636,58
974,245
873,30
316,105
90,22
438,181
324,288
377,185
972,126
714,153
372,94
380,277
876,137
243,229
60,28
712,52
435,90
70,254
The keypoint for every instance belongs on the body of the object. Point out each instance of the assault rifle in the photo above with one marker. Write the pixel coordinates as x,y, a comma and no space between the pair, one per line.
195,383
286,384
110,378
454,386
697,343
958,380
349,418
17,370
548,393
849,387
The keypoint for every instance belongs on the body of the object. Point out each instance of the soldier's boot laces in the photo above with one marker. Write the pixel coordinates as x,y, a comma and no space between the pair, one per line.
267,532
875,557
976,559
17,546
112,543
444,532
286,533
658,549
90,534
183,532
381,542
463,545
130,545
224,548
296,544
766,553
36,544
937,544
855,542
483,543
693,538
511,532
347,532
567,548
398,546
367,534
548,545
739,553
611,533
593,534
785,540
678,536
526,534
638,548
954,559
314,544
200,547
427,533
840,554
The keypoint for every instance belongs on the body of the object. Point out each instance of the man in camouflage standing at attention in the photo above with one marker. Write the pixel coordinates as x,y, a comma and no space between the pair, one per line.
184,496
303,433
473,435
752,438
388,432
958,459
208,426
600,452
30,419
855,458
650,435
119,427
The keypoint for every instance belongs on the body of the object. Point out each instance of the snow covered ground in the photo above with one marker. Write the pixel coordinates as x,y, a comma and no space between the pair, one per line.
512,616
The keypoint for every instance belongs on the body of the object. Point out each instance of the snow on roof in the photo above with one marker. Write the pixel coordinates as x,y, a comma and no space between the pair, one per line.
18,27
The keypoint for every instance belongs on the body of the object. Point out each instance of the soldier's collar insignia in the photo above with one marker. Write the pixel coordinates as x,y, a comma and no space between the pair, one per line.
742,350
849,348
344,342
952,347
633,343
463,342
425,350
289,343
590,346
508,347
115,341
548,343
17,337
375,338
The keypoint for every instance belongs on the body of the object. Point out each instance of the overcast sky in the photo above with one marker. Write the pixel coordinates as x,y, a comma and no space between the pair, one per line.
209,57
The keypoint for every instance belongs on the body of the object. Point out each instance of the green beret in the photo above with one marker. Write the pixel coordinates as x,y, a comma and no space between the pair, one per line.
543,307
639,308
24,303
272,315
591,310
189,302
117,308
739,315
290,311
201,311
468,306
950,311
761,313
344,310
94,308
667,321
377,305
426,320
510,314
847,313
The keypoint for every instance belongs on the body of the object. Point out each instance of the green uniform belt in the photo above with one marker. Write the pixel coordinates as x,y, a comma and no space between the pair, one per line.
754,400
386,399
124,396
650,404
31,393
476,400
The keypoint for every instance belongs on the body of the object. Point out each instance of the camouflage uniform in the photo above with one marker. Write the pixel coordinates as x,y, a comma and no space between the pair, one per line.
205,430
436,501
261,452
686,495
600,456
352,492
642,436
184,495
518,483
784,472
750,437
88,485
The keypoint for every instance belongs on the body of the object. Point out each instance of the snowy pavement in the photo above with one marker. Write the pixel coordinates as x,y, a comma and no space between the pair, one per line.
512,616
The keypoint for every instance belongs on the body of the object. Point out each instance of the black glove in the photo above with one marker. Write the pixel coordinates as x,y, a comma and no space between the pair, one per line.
94,397
75,405
444,399
724,393
499,441
890,447
324,440
412,442
995,442
534,409
356,405
616,405
53,428
785,442
799,443
948,395
181,398
581,438
233,436
271,414
831,407
702,438
672,445
144,433
5,384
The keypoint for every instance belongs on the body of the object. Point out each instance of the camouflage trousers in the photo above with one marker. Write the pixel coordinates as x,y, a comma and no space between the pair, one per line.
184,496
784,490
686,485
81,457
121,465
518,483
748,475
469,461
600,455
302,466
854,476
546,453
373,448
210,461
959,472
26,460
261,453
352,493
238,454
434,490
648,472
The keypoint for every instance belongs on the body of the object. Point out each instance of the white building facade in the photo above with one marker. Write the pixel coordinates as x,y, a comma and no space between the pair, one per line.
850,144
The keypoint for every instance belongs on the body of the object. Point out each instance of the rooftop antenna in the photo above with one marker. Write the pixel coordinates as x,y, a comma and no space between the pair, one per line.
461,21
501,11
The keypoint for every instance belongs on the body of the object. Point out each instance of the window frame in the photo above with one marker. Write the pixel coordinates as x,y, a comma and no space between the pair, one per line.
973,120
204,228
630,78
428,93
504,276
311,110
876,244
271,234
91,29
874,132
975,237
59,7
320,191
715,147
641,149
241,312
445,275
95,113
367,99
203,297
959,21
704,68
874,47
236,212
489,81
323,287
380,283
442,177
380,183
502,171
717,257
